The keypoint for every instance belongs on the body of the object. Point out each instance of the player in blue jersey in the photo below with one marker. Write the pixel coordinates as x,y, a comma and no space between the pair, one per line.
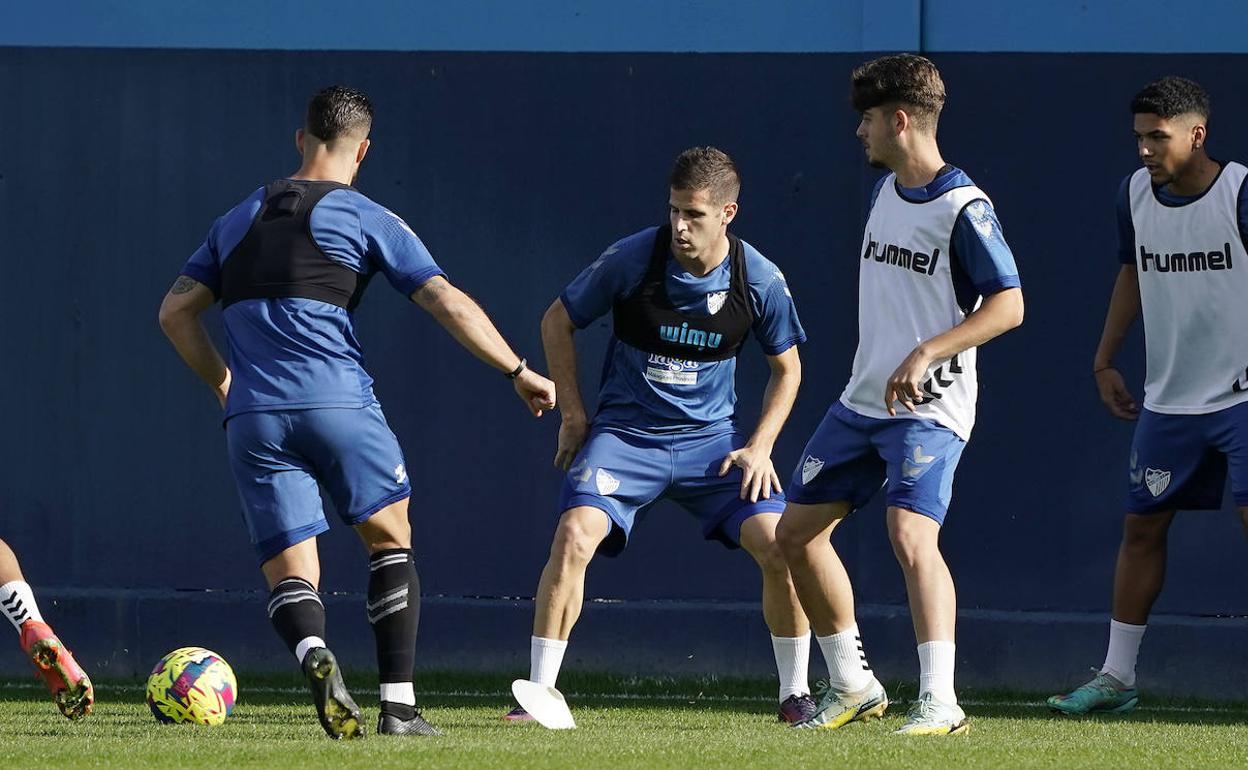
288,265
684,297
1182,230
54,663
936,280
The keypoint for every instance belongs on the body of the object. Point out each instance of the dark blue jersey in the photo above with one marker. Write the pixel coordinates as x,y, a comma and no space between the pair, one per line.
295,353
650,393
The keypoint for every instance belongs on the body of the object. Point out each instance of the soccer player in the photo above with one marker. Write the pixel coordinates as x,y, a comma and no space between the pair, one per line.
683,297
1182,229
289,264
936,280
71,689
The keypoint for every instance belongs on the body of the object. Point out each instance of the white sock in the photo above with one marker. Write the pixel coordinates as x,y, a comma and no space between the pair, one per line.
792,664
848,670
305,644
936,670
545,658
17,602
399,692
1124,647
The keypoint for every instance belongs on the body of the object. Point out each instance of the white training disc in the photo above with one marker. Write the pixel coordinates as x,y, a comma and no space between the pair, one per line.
545,704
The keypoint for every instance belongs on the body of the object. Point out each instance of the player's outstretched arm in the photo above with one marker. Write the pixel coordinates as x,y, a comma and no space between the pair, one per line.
999,312
460,315
179,319
557,331
1124,307
759,477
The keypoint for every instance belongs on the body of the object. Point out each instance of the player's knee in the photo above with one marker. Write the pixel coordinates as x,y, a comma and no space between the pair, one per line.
574,544
912,546
1144,533
791,541
771,559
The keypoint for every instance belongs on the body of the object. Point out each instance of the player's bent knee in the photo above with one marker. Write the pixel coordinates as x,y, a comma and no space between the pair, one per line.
578,535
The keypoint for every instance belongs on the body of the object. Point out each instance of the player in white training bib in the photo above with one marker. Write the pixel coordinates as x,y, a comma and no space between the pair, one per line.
1182,221
936,279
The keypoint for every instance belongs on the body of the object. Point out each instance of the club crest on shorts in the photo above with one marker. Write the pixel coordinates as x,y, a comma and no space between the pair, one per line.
811,468
400,474
605,482
1156,481
715,300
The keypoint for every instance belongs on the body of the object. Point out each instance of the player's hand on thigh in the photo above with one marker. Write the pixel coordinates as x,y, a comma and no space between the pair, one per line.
1114,394
905,382
572,433
758,475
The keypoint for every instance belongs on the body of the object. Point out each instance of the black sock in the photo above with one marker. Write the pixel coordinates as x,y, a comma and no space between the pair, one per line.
394,612
297,613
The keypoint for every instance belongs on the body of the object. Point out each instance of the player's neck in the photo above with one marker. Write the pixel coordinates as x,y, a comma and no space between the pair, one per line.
920,166
1196,177
324,167
703,264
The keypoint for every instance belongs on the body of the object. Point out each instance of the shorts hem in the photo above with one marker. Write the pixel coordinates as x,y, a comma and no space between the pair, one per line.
617,538
922,510
272,546
736,517
363,516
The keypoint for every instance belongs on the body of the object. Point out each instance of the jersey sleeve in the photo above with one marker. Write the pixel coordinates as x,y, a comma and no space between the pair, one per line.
979,246
612,276
1126,228
875,194
204,266
395,250
776,324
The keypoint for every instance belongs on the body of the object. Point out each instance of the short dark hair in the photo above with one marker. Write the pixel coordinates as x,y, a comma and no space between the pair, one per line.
1172,96
901,79
338,110
707,168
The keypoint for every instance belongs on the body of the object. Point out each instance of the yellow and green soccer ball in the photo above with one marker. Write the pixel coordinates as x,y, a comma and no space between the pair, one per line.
193,685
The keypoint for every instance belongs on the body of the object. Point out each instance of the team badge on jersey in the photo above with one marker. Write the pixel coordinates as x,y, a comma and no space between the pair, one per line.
811,468
1156,481
715,300
605,482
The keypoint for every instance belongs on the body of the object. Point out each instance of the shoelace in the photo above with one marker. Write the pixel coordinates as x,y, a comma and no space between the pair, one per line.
921,709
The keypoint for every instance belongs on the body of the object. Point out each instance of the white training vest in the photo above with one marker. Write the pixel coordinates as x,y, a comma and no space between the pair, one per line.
905,296
1193,272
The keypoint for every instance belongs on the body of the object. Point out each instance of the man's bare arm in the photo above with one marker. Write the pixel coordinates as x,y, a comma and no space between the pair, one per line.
179,319
460,315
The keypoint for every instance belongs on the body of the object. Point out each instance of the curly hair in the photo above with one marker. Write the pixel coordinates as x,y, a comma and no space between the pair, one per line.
905,79
1171,96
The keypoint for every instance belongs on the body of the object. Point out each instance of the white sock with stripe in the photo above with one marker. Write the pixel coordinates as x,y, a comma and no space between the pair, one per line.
848,670
17,602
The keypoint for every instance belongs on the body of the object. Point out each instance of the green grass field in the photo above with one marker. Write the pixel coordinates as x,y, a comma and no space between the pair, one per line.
621,723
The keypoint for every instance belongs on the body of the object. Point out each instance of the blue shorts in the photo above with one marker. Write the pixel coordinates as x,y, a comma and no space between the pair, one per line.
1181,460
623,474
851,456
279,457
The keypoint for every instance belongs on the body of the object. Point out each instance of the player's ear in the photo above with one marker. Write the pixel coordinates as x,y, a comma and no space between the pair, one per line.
901,121
362,151
730,212
1199,132
299,140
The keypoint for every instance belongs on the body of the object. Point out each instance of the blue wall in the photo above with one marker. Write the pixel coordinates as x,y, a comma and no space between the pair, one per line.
517,168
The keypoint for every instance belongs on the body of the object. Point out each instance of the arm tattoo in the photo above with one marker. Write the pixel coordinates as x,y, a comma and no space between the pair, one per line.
183,285
428,294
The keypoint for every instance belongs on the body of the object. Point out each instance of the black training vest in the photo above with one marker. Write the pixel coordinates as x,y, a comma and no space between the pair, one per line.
647,320
279,257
